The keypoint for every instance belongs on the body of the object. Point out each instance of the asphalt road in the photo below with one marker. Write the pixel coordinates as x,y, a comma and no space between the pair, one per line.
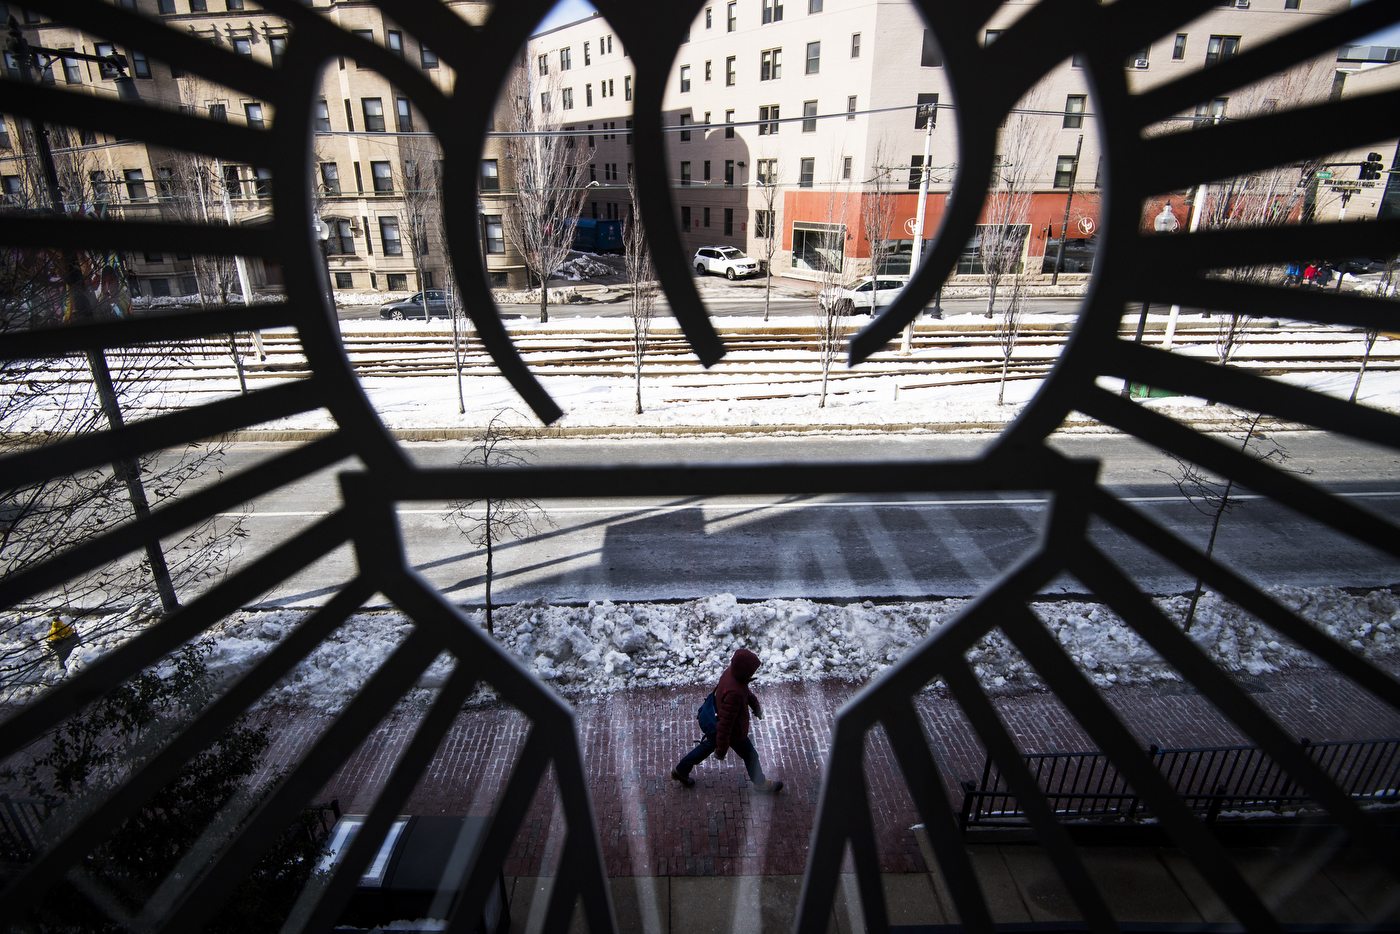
833,546
749,307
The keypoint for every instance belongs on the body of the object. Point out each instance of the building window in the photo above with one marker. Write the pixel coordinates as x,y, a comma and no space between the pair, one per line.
706,170
708,72
160,288
218,112
1222,48
389,236
814,57
1064,171
383,178
709,17
685,216
140,65
396,281
544,102
728,173
587,55
772,11
685,134
490,175
770,65
199,6
323,117
427,57
1179,50
705,217
685,174
809,116
846,168
627,90
729,124
254,115
566,59
243,47
373,108
729,222
851,107
855,45
814,6
493,232
768,120
104,49
767,171
1074,111
233,5
806,171
566,98
729,72
932,55
135,185
732,21
1138,59
71,72
1292,4
763,224
405,114
342,239
544,64
916,172
926,110
147,255
166,6
330,178
685,78
233,184
818,247
277,45
262,183
345,280
1210,112
992,37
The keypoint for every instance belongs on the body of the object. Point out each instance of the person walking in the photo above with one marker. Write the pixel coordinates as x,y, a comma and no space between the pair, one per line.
1309,275
733,701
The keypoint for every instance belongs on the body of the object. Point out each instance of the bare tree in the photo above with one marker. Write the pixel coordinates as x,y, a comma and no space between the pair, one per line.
826,252
547,163
769,177
1211,495
1385,287
1009,329
1002,240
877,208
642,277
486,522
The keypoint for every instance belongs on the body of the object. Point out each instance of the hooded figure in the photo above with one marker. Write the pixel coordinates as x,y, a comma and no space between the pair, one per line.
733,700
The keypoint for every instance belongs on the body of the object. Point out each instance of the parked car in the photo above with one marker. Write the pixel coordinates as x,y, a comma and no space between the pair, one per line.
413,307
862,296
1359,266
732,262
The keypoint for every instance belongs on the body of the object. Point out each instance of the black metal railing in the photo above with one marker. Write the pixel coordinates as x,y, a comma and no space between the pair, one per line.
1209,780
19,827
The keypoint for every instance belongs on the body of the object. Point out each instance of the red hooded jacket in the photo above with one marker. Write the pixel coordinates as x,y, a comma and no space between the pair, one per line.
733,700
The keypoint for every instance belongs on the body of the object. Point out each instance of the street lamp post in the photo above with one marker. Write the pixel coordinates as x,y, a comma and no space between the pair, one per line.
1165,222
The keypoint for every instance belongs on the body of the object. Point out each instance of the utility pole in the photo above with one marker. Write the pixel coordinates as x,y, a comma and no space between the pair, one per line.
930,113
1198,204
127,471
238,261
1064,225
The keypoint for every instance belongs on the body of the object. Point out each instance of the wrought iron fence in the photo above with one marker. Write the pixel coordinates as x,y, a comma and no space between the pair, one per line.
1209,780
987,80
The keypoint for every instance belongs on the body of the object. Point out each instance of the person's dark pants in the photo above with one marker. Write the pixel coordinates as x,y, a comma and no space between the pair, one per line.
707,748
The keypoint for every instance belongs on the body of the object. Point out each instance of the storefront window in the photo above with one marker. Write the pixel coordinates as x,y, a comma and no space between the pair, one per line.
818,247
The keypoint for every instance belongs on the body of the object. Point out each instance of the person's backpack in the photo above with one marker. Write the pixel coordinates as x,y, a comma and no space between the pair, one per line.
707,716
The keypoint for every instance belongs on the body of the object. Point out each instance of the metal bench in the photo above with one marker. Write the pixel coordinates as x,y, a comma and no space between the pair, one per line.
1211,780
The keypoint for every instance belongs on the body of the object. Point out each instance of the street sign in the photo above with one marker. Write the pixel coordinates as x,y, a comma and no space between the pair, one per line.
1324,174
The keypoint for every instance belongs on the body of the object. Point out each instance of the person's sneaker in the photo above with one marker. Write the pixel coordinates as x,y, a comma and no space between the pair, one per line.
769,787
686,780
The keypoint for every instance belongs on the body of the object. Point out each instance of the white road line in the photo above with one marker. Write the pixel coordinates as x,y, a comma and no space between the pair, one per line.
883,504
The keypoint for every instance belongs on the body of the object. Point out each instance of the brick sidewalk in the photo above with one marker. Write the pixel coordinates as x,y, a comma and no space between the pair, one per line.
652,826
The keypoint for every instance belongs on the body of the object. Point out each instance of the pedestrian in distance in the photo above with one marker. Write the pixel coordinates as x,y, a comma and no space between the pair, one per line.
1309,275
729,705
1291,274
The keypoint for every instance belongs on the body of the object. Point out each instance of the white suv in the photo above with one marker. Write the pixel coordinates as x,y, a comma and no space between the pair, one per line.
865,294
726,259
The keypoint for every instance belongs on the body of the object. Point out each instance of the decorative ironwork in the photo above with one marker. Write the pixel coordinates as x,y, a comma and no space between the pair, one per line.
986,81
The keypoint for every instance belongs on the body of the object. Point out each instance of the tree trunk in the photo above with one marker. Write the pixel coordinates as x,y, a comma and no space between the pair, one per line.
544,300
1001,390
457,356
991,297
1215,526
767,289
238,361
1370,342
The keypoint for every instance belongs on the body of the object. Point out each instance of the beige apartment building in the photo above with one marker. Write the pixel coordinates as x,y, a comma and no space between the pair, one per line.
369,145
824,96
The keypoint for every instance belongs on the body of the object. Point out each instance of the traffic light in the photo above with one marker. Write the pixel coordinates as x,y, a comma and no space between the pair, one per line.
1373,166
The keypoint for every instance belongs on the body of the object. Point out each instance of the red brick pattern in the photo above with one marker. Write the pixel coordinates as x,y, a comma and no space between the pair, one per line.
650,825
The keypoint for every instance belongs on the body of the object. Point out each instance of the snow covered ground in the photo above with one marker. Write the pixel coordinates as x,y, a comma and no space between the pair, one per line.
607,647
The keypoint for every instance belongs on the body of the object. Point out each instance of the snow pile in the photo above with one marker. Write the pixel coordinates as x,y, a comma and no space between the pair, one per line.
583,266
607,647
556,297
169,301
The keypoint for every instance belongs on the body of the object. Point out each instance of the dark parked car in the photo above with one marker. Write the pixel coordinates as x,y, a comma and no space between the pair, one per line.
413,307
1360,265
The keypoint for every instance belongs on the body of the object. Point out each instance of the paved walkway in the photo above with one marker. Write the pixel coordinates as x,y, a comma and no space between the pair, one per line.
652,826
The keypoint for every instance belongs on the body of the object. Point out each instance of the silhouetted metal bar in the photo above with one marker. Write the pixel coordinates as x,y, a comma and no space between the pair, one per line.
1192,255
1238,591
159,431
1053,837
156,327
1220,295
1306,498
177,515
1104,726
29,887
150,646
88,234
